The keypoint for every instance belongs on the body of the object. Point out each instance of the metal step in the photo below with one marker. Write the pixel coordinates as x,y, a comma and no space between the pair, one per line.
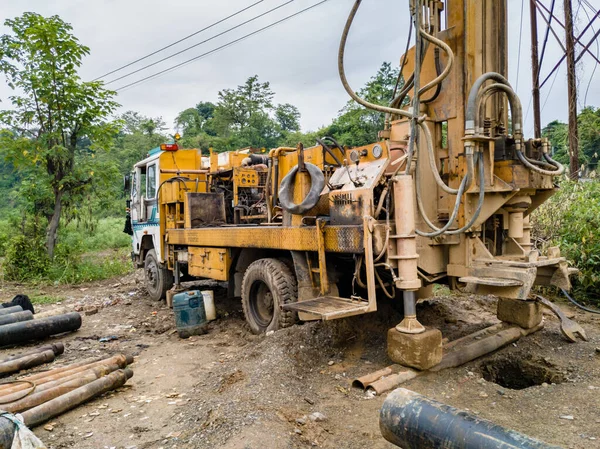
329,307
494,282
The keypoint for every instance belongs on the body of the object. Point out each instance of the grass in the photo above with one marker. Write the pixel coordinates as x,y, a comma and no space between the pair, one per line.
96,251
45,299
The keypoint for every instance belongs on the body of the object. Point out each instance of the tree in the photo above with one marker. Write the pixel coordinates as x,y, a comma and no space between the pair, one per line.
235,107
288,117
356,125
53,110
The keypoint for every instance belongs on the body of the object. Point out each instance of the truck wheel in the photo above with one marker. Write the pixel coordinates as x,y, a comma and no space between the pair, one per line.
267,285
157,280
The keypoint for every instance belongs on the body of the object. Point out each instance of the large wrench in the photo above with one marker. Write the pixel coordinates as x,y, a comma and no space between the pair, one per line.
568,327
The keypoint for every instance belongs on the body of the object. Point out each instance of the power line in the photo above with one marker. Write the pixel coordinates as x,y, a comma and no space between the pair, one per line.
597,53
180,40
155,75
520,40
200,43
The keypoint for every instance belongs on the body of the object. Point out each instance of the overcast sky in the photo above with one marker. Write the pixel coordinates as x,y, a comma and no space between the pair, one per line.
298,57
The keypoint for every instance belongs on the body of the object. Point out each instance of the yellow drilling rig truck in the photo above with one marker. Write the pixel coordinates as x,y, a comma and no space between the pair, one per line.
443,196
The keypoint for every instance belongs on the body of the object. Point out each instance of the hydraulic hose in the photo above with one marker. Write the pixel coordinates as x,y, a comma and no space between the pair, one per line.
342,71
438,231
479,202
513,100
528,163
581,306
444,230
432,163
472,101
446,71
330,152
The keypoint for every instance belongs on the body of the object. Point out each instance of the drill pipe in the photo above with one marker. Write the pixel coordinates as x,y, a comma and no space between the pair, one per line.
9,310
14,333
26,362
39,397
16,317
412,421
57,348
61,373
97,371
61,404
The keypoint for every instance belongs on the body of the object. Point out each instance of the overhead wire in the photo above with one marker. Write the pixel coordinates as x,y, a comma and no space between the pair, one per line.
228,44
597,54
180,40
520,41
200,43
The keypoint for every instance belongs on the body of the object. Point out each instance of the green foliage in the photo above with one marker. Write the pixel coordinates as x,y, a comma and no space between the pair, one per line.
588,124
356,125
57,122
85,253
571,220
45,299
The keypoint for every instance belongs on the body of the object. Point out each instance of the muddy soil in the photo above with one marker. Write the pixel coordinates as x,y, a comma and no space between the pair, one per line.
231,389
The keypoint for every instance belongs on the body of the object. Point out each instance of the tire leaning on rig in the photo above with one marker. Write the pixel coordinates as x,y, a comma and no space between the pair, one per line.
286,191
282,284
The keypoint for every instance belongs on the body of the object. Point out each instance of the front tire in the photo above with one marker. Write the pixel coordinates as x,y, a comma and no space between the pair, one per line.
157,280
267,285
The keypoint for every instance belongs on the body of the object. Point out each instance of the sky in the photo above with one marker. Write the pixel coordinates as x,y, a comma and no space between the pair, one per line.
298,57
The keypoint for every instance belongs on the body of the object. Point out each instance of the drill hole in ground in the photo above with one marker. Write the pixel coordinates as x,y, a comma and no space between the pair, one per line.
517,373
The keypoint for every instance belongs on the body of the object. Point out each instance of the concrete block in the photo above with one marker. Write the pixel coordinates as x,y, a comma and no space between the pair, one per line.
526,314
421,351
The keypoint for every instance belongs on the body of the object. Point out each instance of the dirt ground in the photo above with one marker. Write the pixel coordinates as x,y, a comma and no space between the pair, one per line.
234,390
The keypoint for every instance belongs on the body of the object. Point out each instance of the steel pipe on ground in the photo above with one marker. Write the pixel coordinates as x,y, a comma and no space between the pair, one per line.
57,348
29,361
61,373
61,404
14,333
16,317
97,371
66,402
412,421
9,310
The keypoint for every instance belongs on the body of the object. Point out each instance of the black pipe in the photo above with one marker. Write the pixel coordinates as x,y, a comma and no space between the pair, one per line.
412,421
9,310
16,317
14,333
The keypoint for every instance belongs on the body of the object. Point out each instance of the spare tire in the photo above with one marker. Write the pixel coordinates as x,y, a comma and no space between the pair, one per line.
286,191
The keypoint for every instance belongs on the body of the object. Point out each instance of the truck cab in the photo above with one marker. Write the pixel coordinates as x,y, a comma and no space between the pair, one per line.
146,180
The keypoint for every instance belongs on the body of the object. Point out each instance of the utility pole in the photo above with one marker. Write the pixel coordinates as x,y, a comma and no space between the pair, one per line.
535,71
572,85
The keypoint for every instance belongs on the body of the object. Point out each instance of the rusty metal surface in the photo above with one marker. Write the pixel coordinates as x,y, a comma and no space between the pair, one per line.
329,307
72,399
338,239
26,362
568,327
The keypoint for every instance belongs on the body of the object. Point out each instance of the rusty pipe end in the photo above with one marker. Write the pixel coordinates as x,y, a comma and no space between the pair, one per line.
58,348
128,372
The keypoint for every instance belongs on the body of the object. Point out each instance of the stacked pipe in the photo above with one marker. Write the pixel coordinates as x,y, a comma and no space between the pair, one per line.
35,357
43,396
20,327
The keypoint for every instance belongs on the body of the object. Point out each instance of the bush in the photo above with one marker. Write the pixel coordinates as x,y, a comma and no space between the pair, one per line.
85,252
26,259
571,220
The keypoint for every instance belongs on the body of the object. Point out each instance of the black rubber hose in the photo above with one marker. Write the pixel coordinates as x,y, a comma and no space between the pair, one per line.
471,103
582,307
330,152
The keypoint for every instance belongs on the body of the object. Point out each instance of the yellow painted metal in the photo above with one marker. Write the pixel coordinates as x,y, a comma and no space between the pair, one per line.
337,239
213,263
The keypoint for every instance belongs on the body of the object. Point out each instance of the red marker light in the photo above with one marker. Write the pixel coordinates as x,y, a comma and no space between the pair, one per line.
169,147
